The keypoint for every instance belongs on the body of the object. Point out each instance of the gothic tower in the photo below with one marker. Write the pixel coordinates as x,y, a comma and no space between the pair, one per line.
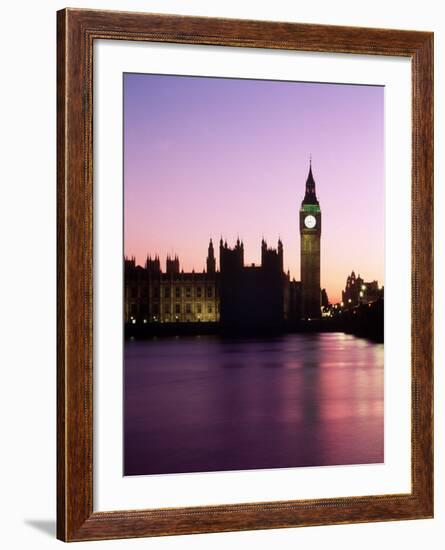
310,233
211,262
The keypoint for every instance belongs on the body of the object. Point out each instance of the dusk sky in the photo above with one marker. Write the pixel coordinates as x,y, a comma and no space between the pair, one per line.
212,157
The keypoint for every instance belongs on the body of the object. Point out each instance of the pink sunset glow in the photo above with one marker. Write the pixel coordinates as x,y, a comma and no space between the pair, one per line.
211,157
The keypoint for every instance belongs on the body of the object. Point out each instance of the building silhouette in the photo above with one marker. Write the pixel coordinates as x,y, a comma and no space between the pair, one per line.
358,291
252,296
310,236
237,295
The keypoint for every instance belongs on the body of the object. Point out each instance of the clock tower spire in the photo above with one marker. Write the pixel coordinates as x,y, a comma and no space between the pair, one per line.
310,236
310,196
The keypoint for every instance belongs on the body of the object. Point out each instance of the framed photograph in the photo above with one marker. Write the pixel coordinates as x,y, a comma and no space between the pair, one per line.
245,282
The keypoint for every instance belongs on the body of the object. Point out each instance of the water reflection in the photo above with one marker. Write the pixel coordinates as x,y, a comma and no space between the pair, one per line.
211,404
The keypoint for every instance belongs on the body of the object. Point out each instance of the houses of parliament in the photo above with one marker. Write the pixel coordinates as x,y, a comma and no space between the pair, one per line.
236,295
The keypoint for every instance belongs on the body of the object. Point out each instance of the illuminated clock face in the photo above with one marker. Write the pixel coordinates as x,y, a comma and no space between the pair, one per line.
310,222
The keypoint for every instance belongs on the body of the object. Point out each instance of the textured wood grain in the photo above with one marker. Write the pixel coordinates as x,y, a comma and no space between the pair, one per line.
77,30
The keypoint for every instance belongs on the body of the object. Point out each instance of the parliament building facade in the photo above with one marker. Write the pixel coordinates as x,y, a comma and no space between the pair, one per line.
236,295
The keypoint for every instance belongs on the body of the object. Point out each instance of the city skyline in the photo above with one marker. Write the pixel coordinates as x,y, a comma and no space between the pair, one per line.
209,158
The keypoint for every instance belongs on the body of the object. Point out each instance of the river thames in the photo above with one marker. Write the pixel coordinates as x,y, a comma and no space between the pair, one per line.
200,404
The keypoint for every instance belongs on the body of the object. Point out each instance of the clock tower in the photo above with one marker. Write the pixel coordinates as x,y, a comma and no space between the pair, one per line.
310,233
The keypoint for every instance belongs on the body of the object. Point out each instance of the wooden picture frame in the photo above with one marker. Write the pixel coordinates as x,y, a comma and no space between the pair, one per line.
77,31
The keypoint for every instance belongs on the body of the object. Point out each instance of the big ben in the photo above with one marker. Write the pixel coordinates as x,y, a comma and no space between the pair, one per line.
310,234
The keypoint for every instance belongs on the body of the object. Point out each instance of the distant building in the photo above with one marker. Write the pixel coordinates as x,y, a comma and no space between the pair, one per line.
358,291
324,298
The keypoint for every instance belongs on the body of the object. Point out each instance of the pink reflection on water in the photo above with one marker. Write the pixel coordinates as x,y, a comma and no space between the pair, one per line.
351,398
212,404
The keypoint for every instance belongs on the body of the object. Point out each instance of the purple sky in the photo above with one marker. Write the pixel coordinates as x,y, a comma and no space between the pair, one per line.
205,157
